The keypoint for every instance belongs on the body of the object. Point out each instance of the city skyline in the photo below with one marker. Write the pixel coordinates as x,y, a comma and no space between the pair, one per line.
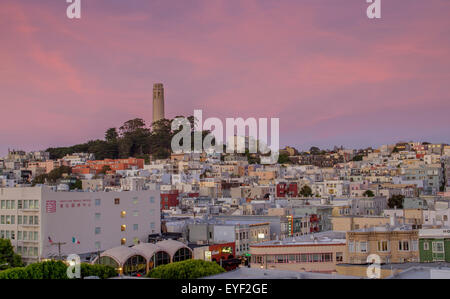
331,75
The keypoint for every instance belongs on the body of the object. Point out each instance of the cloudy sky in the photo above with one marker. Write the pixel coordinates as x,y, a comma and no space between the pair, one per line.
330,74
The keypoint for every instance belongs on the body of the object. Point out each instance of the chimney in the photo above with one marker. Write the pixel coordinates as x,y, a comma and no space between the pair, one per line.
393,220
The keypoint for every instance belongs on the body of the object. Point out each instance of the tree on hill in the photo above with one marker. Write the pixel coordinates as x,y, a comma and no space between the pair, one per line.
133,139
358,158
396,201
306,191
53,176
314,150
283,158
105,169
368,193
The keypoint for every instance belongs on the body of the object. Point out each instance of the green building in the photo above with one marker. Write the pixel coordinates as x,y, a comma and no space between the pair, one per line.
434,245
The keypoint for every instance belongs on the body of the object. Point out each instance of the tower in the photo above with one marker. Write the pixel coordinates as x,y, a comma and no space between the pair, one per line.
158,102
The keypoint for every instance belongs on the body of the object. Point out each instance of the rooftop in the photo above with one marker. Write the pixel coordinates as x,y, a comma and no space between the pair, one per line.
324,238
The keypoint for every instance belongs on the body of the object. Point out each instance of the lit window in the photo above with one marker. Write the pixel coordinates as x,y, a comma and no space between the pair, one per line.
123,241
123,227
123,214
117,201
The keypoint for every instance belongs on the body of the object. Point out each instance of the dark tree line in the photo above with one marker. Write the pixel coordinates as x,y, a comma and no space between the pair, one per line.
132,139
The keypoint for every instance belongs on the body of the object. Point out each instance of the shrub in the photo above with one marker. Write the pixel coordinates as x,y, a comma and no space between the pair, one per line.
14,273
56,270
189,269
47,270
102,271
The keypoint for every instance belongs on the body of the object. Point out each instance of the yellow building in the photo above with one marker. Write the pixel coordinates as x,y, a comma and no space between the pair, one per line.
319,253
397,244
348,223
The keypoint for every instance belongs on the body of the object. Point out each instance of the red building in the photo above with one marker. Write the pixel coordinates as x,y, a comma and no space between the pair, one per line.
223,251
314,223
287,190
169,199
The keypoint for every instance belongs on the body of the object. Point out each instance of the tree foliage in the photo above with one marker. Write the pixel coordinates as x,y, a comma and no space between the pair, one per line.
190,269
368,193
8,258
133,139
53,176
306,191
283,158
56,270
396,201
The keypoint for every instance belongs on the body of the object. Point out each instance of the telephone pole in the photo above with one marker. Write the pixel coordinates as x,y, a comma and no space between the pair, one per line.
59,247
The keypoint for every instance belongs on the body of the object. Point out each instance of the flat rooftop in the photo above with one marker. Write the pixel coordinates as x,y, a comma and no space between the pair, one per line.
324,238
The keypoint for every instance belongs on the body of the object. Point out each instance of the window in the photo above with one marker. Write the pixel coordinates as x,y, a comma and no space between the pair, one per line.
135,213
383,246
135,200
152,199
426,246
123,241
351,246
135,227
403,245
152,225
97,216
438,247
339,257
123,227
98,230
182,254
97,245
117,201
414,245
19,204
97,202
123,214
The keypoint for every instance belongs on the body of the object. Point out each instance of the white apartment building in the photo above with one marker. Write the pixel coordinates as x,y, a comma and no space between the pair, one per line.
35,219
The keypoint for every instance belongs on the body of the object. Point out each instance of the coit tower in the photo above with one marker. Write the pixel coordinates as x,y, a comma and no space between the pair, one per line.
158,102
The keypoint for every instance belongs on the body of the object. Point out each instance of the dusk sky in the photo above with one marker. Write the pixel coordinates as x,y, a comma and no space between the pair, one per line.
330,74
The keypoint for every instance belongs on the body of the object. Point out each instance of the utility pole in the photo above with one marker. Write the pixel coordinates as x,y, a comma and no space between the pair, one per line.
59,248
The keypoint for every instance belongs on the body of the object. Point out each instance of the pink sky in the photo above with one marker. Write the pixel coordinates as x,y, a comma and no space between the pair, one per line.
331,75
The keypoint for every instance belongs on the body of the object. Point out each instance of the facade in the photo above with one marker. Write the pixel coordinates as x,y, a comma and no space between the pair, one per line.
215,252
348,223
169,199
96,167
36,219
434,245
393,244
319,253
